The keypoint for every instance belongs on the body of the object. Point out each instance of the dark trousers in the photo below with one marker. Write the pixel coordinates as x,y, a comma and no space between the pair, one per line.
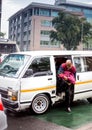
69,94
63,86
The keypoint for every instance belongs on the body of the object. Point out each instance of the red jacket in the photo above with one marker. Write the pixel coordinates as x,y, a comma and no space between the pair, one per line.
69,73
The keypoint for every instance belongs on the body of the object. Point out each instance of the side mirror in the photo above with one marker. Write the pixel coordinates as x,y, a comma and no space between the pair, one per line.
28,73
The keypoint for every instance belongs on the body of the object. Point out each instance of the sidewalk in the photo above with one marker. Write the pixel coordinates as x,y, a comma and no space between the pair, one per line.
86,127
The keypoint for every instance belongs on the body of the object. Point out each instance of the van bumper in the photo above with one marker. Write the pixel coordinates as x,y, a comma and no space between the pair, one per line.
10,105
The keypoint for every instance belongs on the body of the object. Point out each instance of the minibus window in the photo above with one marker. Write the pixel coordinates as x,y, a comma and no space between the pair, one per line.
40,66
87,63
13,65
77,63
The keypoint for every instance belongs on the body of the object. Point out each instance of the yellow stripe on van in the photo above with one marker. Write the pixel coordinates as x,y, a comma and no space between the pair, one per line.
38,89
52,87
84,82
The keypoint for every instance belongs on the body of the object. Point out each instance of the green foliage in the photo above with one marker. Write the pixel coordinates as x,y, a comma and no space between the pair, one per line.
70,30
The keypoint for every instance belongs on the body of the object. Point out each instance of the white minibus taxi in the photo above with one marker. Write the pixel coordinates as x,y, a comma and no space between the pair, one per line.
29,79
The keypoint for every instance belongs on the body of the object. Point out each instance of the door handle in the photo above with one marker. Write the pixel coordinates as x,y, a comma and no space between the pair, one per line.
77,77
50,79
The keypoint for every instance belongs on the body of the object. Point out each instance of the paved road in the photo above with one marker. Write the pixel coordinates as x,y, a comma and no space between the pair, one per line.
27,122
55,119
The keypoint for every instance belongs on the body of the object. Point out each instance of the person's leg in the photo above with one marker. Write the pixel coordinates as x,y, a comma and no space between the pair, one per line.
71,93
68,97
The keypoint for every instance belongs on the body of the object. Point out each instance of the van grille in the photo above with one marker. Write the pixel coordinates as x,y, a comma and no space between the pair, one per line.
4,93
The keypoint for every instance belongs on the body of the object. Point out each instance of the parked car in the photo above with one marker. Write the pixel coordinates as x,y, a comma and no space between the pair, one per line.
3,117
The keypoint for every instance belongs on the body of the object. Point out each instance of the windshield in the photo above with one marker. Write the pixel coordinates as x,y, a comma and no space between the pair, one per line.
13,65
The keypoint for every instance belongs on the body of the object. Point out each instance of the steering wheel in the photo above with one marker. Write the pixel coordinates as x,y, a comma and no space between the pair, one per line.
7,67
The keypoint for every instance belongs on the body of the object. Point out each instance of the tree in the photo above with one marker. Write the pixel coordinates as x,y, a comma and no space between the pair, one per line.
68,30
87,33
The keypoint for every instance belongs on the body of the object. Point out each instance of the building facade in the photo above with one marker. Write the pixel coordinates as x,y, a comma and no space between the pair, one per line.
31,26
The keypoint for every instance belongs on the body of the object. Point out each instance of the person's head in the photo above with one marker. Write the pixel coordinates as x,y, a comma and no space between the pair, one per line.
68,63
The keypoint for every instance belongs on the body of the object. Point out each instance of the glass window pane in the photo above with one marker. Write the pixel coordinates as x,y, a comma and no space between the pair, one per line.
87,63
44,12
40,65
77,63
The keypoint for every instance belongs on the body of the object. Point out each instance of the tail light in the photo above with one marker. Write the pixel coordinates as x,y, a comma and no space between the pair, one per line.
1,105
3,117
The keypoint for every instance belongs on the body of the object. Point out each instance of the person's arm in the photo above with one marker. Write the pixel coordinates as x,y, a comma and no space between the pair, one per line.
61,70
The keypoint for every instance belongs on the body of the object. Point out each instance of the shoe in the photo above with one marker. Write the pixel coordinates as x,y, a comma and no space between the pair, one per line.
69,109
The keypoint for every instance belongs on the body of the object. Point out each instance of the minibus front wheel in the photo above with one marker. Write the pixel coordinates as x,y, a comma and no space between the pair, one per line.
40,104
89,100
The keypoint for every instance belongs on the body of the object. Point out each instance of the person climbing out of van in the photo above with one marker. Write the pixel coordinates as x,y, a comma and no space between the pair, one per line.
67,74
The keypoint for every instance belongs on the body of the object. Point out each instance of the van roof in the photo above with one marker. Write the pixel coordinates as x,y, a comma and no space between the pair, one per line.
7,42
54,52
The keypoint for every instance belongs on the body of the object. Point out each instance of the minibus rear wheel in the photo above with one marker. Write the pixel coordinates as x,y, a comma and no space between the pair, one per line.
40,104
89,100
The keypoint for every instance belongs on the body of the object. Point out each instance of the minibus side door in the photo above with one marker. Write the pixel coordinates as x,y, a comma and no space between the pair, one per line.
38,78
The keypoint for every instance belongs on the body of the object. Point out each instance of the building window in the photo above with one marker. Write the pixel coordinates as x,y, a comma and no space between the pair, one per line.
36,11
24,33
44,12
74,9
25,15
10,21
11,29
29,32
54,13
45,33
29,22
55,43
30,12
44,43
18,18
87,11
46,23
14,28
18,26
28,46
25,24
18,34
49,43
14,20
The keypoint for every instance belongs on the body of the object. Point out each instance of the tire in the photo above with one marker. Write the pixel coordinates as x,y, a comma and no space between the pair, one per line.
89,100
40,104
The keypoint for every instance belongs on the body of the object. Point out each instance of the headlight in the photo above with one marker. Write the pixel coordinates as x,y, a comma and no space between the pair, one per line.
9,93
12,95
